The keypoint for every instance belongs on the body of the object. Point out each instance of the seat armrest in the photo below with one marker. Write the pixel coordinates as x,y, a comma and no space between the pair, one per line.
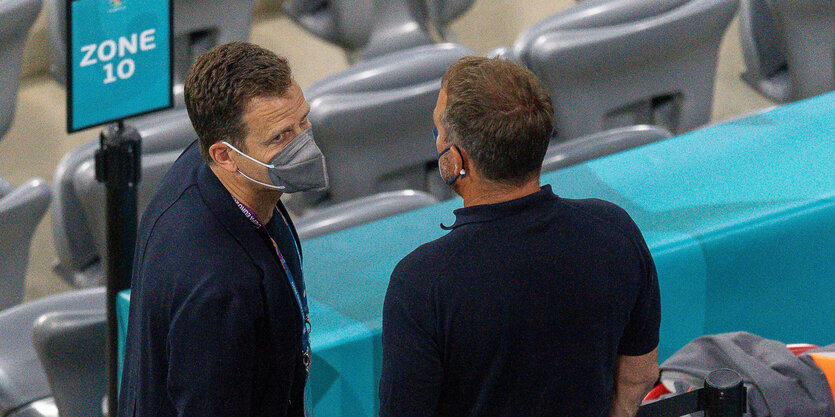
71,348
600,144
361,210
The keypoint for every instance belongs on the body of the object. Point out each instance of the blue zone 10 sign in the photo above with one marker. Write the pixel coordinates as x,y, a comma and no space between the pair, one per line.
119,60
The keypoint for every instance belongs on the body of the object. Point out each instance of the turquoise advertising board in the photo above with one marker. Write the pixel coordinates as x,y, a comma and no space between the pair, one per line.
119,60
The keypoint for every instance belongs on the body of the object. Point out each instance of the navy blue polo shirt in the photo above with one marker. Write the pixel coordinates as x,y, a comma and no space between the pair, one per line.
520,310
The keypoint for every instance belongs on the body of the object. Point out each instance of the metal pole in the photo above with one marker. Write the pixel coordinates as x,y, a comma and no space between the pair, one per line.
118,167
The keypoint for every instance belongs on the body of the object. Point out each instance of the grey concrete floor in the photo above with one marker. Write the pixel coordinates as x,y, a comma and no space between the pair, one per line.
38,139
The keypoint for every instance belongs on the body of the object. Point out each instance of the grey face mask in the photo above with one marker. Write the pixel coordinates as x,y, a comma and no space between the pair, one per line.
300,166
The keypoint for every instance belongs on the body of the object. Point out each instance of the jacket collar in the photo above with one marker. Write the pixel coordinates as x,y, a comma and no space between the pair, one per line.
221,204
489,212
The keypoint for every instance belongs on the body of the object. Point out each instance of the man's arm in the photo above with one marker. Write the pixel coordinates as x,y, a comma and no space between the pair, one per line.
634,377
411,375
211,354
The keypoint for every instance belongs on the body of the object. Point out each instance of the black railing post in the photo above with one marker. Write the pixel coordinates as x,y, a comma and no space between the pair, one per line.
118,167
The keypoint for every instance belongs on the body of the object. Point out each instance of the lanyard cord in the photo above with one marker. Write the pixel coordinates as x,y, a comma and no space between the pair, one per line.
303,309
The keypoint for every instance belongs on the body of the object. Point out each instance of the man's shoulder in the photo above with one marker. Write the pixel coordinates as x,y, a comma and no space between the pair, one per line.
603,212
185,247
429,260
181,176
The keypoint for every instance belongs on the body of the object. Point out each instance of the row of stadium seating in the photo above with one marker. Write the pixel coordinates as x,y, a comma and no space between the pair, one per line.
786,45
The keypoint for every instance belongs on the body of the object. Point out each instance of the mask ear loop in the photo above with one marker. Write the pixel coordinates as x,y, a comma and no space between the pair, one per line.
270,166
271,186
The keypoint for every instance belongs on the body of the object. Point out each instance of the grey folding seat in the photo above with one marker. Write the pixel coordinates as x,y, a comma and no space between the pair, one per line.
92,195
373,122
78,212
359,211
199,25
24,388
395,70
71,347
345,23
21,210
597,145
368,27
613,63
16,17
788,47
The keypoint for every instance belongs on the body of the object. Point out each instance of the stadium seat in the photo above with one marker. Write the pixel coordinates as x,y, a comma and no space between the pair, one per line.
16,17
373,123
371,28
199,25
392,71
398,25
788,47
361,210
21,210
614,63
596,145
375,141
346,23
78,213
24,388
71,347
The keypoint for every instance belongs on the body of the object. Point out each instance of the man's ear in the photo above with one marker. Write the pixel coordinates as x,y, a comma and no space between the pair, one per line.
221,155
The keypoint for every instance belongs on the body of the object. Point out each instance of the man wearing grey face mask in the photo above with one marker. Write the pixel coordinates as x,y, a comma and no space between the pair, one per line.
218,316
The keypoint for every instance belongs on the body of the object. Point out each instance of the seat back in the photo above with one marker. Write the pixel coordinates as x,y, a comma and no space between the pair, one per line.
92,194
16,17
598,145
71,348
376,141
21,210
396,70
199,25
373,123
613,63
369,27
761,39
361,210
346,23
77,235
398,25
22,378
809,30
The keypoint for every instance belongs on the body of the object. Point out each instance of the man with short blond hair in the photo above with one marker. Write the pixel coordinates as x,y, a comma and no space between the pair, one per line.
532,304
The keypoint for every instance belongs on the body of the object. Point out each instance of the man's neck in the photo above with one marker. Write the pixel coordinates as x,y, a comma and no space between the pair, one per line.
261,202
492,193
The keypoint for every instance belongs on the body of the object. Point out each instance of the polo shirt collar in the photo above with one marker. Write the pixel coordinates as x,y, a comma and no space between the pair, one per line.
489,212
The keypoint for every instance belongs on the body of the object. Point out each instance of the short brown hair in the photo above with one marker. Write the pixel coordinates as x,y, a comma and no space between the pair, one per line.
220,85
500,114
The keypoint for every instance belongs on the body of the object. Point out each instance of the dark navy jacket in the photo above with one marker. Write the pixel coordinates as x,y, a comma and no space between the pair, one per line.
521,310
214,329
